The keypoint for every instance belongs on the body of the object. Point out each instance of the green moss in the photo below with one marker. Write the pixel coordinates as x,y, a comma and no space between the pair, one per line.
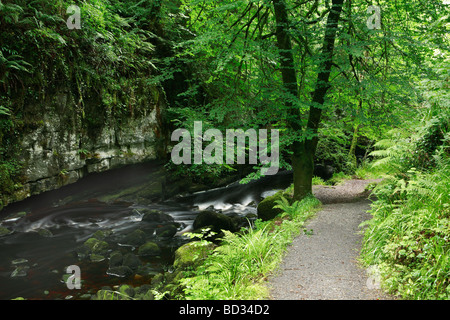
4,231
149,249
192,254
95,245
266,210
96,257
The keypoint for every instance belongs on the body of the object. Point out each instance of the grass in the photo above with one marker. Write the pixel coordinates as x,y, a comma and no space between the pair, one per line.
238,268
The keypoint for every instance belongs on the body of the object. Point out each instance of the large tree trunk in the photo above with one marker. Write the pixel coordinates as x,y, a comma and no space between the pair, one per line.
304,151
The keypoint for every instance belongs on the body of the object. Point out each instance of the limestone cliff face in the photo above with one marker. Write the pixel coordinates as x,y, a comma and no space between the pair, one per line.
60,148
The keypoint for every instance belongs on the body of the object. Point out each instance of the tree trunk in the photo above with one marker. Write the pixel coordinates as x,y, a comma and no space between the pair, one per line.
304,151
352,152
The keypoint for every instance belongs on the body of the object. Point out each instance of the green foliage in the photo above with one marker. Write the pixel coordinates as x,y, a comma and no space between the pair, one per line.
408,237
238,267
407,149
104,67
433,138
409,234
317,181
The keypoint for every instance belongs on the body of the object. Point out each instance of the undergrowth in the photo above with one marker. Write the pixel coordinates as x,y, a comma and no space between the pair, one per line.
409,235
238,268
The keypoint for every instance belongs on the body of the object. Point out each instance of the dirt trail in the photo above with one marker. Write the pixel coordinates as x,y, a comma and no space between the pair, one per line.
323,265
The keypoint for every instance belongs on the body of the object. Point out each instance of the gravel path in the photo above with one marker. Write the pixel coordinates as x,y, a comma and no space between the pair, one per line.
323,265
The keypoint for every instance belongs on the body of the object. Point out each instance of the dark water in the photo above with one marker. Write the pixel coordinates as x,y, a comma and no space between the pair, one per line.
43,242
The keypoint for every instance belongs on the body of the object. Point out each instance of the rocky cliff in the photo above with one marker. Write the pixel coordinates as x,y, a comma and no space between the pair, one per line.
61,145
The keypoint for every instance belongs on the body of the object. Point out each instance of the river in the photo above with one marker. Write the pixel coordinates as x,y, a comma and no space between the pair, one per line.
47,230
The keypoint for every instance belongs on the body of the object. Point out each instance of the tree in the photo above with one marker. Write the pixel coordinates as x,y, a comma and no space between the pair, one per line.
303,151
310,68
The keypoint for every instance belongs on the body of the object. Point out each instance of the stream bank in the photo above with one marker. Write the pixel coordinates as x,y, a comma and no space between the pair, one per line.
120,227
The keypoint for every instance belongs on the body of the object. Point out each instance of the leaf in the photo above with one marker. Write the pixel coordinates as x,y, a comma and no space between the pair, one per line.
4,111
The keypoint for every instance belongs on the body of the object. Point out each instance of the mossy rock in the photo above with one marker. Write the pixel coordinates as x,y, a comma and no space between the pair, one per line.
120,271
266,210
4,231
44,232
149,249
135,238
106,295
158,216
127,290
20,271
217,221
115,259
167,231
101,234
144,292
158,280
192,254
96,246
94,257
132,261
147,295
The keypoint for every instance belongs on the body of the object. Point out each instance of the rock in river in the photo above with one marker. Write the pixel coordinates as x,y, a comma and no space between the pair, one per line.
120,271
135,238
149,215
132,261
167,231
149,249
115,259
4,231
20,271
96,246
217,221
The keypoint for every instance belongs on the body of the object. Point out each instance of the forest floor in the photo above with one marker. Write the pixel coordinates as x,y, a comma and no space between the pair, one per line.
322,263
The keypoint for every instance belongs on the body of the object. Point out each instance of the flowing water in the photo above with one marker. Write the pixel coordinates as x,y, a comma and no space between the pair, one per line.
47,229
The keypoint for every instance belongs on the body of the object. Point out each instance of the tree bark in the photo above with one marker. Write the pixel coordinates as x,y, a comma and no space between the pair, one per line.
352,152
287,66
303,151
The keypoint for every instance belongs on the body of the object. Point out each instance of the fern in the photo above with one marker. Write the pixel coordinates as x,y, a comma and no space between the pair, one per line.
288,209
4,111
394,153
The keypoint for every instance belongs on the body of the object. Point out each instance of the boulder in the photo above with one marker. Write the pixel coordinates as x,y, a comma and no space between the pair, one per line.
131,261
167,231
144,292
127,290
324,171
44,232
135,238
146,270
82,252
266,210
215,220
4,231
94,257
20,271
120,271
96,246
158,280
149,249
149,215
192,254
101,234
115,259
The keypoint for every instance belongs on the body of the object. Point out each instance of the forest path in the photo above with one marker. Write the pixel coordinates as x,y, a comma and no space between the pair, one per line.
323,265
